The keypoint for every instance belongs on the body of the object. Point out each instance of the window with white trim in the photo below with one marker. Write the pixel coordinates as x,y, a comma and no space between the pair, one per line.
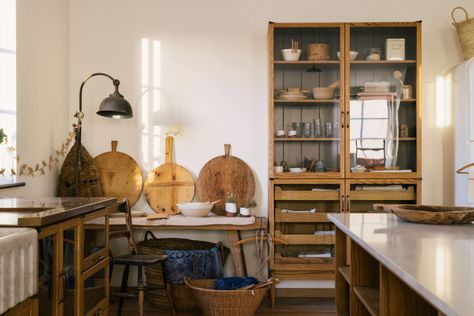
8,83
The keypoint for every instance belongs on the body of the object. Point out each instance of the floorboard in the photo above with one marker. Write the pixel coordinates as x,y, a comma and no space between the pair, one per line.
285,306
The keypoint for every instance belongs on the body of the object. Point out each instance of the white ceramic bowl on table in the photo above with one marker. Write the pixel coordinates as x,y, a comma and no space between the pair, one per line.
289,54
195,209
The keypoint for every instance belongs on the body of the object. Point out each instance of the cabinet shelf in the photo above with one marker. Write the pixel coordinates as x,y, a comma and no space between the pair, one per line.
345,271
311,101
401,100
307,195
382,62
308,62
309,139
305,239
370,298
300,218
408,195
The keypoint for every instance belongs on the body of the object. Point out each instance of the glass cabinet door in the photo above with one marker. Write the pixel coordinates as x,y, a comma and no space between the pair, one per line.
48,242
95,287
382,123
306,73
69,272
95,240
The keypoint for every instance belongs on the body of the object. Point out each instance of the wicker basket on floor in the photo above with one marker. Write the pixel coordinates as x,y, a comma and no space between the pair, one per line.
180,294
225,303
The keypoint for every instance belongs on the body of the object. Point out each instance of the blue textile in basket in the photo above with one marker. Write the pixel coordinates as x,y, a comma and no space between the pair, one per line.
234,283
194,264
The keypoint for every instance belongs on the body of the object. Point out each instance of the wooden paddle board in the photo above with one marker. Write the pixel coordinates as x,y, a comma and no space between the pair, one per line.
168,184
226,174
120,175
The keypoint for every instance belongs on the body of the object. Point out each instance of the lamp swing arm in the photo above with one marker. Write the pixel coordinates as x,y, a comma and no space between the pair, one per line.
123,108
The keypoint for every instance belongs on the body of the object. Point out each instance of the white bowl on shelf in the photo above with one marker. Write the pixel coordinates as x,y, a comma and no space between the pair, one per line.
352,55
289,54
297,170
195,209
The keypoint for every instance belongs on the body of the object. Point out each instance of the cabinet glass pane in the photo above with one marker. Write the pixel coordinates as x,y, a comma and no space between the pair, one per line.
307,101
383,105
68,275
47,282
94,290
94,241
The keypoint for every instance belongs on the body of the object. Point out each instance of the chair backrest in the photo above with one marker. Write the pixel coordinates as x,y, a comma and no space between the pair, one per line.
125,207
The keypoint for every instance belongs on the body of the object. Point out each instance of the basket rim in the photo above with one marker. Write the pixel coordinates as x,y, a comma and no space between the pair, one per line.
188,283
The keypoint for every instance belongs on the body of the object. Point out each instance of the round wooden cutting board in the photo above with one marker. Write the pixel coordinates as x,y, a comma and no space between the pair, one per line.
120,175
226,174
168,184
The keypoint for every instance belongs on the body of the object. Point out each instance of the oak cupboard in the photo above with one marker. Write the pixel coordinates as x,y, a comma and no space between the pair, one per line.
372,119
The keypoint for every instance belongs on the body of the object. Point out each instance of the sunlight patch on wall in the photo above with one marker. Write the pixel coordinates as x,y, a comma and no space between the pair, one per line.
150,102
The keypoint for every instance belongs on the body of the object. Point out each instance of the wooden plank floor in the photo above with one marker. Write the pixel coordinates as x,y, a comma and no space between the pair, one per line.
285,306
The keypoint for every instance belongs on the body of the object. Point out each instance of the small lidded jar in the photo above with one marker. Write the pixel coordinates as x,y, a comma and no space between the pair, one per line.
230,205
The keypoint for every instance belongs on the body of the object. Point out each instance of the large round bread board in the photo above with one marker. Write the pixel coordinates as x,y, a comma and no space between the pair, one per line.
120,175
168,184
226,174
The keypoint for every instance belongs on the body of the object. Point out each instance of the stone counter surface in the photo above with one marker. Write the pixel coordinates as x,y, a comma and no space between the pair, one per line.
27,212
437,261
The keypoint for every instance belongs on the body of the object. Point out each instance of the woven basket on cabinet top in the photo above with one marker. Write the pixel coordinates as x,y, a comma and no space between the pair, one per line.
465,30
89,180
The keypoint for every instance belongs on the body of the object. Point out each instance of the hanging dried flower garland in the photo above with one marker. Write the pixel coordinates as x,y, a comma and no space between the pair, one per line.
40,168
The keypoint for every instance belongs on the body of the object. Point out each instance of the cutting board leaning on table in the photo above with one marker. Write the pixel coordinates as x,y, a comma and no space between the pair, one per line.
224,174
167,185
120,175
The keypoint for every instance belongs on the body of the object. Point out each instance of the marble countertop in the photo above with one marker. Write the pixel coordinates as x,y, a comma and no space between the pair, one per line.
39,212
437,261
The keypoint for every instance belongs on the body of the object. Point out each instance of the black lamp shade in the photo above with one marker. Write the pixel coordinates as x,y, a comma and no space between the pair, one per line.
116,107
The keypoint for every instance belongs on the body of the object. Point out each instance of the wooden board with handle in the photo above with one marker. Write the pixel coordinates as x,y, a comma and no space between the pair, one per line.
168,184
226,174
120,175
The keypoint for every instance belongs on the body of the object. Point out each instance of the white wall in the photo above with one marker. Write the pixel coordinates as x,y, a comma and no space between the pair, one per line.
42,88
212,70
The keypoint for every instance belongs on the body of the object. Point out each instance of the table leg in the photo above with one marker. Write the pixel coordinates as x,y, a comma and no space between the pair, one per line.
237,254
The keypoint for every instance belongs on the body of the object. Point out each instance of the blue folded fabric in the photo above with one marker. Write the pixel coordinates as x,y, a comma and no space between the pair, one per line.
194,264
234,283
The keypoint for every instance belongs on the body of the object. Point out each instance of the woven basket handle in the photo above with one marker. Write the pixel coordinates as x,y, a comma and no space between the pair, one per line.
454,10
147,235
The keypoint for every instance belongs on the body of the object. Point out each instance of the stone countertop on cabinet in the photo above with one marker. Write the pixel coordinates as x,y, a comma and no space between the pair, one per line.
437,261
38,212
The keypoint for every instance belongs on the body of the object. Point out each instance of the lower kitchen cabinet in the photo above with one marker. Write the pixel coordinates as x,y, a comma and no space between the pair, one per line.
73,269
303,237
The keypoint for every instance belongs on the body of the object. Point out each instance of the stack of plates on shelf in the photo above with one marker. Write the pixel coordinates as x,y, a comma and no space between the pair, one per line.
291,94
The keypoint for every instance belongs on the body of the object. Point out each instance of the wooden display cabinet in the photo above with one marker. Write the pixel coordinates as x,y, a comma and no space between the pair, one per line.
73,272
366,131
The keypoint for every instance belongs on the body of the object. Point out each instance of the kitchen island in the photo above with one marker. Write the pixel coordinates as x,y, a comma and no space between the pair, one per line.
385,266
73,264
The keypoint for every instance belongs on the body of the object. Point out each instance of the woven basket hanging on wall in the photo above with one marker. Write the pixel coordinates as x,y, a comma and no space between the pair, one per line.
465,31
89,180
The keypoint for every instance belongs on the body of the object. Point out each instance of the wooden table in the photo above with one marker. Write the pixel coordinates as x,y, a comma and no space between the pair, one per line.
233,233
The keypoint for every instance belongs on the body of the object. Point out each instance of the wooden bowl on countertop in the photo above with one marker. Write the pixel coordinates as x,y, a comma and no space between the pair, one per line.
427,214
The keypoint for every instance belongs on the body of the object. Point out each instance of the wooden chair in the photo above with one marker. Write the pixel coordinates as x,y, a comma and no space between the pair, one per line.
134,259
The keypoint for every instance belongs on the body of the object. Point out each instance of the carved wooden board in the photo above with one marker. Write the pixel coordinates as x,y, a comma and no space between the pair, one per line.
120,175
226,174
168,184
